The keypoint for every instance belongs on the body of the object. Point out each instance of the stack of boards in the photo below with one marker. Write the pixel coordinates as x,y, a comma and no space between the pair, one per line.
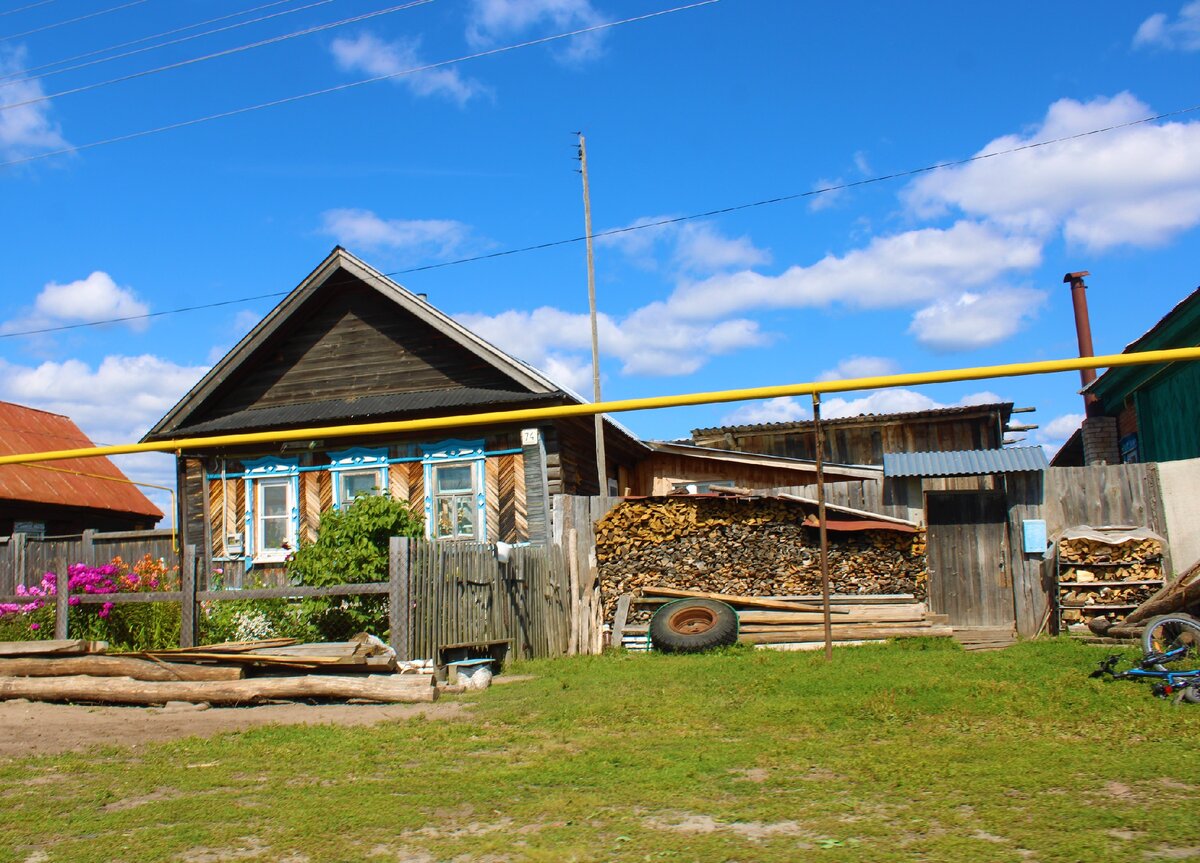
798,622
228,674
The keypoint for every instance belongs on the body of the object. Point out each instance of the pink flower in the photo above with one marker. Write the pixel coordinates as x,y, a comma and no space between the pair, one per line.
35,626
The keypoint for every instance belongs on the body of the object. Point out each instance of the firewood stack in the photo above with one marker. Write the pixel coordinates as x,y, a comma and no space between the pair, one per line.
1106,579
744,547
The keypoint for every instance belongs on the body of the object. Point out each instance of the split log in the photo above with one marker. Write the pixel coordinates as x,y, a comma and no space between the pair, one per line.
394,688
848,633
749,601
58,647
113,666
1180,595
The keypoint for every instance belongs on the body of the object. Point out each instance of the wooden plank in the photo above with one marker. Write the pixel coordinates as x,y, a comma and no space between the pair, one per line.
748,601
187,604
113,666
61,601
619,618
886,614
846,633
59,647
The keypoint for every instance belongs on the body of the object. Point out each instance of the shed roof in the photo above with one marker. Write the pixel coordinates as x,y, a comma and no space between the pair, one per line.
1005,409
24,429
965,462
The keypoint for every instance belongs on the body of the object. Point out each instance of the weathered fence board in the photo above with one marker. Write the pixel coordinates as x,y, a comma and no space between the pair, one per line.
24,559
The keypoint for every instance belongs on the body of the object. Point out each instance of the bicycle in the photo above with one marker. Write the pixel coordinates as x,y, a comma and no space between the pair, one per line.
1167,641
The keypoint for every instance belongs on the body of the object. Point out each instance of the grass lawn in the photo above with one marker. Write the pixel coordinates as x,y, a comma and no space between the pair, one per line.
909,751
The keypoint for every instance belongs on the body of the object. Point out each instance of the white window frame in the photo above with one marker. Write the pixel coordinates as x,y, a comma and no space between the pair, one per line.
259,473
357,461
455,453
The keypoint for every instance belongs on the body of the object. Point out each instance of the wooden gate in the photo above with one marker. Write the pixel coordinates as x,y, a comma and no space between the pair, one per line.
968,578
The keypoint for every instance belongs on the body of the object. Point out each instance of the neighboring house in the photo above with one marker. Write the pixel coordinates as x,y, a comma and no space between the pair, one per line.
863,440
1147,413
62,497
349,346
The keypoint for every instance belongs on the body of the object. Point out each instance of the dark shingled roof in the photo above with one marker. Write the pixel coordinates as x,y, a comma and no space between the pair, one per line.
363,409
1004,407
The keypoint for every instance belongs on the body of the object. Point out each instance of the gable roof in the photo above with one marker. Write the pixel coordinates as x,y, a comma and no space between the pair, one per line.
524,382
25,430
1178,328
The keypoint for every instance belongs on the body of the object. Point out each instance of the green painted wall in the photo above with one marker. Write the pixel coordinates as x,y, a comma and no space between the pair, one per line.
1168,410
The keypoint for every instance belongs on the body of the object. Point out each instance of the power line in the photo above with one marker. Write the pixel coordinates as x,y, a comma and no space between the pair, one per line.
644,226
24,75
224,53
55,24
29,6
347,86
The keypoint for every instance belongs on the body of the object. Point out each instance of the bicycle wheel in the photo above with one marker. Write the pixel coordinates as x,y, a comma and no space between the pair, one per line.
1168,632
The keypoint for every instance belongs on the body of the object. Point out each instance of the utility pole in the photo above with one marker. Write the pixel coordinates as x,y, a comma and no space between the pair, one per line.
601,467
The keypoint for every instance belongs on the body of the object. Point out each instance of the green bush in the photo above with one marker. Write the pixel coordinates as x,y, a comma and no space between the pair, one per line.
352,548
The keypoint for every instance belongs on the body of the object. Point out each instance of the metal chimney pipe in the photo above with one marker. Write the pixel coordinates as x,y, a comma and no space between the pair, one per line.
1083,330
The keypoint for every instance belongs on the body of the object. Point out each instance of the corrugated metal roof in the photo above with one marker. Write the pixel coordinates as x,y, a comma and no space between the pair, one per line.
965,462
361,409
25,430
932,413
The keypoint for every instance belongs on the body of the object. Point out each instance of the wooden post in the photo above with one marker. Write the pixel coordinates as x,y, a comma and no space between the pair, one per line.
399,597
187,604
573,569
89,547
18,559
820,451
622,615
62,598
601,465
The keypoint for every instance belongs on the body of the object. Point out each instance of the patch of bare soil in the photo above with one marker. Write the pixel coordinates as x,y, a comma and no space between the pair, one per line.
708,824
35,728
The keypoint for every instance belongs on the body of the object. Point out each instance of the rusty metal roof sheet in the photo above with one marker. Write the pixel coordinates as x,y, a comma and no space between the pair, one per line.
965,462
26,430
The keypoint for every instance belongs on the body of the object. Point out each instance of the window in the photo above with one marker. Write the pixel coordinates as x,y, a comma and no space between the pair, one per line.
357,471
272,515
454,499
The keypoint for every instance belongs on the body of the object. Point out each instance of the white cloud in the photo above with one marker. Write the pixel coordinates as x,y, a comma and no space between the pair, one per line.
860,367
1181,34
438,238
897,270
94,298
1137,186
494,20
1055,433
650,341
372,55
827,199
890,401
26,130
970,321
695,248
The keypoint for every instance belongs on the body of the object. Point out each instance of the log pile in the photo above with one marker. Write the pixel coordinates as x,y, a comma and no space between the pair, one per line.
1100,583
797,623
739,547
237,673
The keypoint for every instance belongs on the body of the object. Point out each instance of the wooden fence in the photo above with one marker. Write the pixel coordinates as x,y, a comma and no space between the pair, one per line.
24,559
439,594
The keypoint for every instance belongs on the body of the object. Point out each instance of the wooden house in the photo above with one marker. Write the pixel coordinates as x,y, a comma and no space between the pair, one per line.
63,497
862,440
1146,413
349,346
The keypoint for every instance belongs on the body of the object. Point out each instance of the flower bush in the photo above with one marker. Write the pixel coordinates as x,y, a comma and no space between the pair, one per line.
131,626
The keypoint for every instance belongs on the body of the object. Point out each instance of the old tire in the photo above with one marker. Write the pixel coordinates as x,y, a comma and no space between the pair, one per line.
1168,631
693,625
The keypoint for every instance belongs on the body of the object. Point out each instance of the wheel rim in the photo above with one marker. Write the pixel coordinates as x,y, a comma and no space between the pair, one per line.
692,621
1169,635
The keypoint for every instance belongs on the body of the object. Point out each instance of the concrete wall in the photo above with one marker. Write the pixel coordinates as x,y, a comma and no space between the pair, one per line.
1180,481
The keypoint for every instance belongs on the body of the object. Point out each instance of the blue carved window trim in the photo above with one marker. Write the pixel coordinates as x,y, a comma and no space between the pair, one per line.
255,471
358,460
456,452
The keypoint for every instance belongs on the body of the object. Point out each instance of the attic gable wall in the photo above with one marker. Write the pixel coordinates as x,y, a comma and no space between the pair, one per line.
349,342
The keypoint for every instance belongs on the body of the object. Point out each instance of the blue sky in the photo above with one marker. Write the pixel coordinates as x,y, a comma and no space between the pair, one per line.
730,103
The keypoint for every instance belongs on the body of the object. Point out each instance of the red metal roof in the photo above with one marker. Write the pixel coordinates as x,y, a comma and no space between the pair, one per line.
27,430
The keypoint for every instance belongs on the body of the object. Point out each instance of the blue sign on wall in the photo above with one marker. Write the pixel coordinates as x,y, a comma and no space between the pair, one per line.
1035,535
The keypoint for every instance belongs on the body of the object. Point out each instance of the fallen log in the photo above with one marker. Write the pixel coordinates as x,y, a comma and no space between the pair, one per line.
748,601
845,633
1180,595
393,688
58,647
113,666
